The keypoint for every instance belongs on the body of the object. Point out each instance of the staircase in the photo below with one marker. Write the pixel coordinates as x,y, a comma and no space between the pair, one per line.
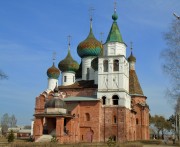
44,138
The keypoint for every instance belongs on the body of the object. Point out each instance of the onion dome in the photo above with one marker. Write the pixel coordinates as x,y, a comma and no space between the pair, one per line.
114,34
90,46
55,102
79,72
68,64
131,58
53,72
94,63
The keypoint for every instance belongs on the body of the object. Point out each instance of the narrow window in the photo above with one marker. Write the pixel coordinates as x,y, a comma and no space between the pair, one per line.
87,117
137,121
114,138
82,137
116,65
115,99
65,78
114,119
87,76
104,100
105,65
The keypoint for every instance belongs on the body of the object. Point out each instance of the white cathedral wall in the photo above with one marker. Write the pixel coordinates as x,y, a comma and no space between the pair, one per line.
95,77
113,80
68,78
114,48
52,83
124,98
86,63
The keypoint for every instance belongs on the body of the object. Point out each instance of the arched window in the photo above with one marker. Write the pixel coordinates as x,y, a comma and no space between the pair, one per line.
115,99
87,117
104,100
105,65
116,65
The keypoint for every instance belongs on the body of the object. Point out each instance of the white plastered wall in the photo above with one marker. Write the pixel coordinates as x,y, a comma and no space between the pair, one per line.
52,83
68,78
86,63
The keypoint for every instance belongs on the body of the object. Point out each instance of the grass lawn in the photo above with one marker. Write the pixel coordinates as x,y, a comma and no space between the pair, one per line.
25,143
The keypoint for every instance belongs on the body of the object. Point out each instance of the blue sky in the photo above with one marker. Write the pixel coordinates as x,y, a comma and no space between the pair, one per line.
30,31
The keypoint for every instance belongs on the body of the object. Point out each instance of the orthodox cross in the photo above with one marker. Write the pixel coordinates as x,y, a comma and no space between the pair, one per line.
69,39
115,5
91,9
54,56
131,45
101,36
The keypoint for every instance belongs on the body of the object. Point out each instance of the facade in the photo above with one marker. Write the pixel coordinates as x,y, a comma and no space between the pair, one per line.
98,99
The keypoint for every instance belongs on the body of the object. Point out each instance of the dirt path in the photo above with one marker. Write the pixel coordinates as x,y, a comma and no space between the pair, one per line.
158,146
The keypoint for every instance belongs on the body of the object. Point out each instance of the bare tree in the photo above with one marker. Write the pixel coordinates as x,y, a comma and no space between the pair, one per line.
12,121
3,75
171,64
7,121
4,123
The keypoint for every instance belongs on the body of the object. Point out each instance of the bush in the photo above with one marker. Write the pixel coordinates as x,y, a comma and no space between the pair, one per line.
11,136
54,139
111,142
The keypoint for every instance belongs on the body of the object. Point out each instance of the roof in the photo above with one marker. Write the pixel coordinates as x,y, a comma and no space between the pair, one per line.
68,64
114,34
90,46
53,72
80,85
80,99
132,58
134,85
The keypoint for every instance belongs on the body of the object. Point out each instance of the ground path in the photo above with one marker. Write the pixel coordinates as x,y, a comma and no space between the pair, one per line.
158,146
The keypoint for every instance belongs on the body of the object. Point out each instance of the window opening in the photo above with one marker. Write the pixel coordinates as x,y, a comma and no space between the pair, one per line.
115,100
105,65
87,117
104,100
116,65
114,119
87,76
65,78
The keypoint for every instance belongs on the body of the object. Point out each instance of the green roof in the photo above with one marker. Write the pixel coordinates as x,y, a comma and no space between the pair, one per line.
90,46
114,34
80,99
68,64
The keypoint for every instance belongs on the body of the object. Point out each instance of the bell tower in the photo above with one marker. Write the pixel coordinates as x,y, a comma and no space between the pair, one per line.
113,72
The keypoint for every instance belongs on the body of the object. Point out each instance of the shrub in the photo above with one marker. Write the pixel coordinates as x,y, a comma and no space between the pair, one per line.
11,136
111,142
54,139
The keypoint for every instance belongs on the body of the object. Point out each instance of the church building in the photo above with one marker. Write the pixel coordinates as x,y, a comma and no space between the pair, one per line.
99,98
